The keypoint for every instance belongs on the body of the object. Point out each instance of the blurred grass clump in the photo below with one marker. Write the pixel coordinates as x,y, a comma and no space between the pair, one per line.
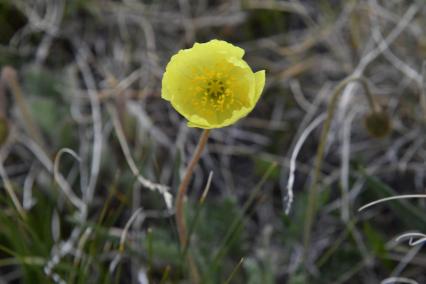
93,153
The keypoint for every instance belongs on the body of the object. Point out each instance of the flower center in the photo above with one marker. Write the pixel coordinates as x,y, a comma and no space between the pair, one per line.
215,88
213,96
217,93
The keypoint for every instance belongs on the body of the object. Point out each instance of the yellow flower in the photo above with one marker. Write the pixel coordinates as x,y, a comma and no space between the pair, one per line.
211,85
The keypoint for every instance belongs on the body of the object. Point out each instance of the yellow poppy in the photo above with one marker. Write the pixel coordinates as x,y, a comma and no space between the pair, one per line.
211,85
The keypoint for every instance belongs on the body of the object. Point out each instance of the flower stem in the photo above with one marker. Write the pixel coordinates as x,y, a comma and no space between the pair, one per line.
313,192
180,218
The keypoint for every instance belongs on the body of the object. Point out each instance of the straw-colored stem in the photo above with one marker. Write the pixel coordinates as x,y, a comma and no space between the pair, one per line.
10,78
423,89
3,101
180,218
312,195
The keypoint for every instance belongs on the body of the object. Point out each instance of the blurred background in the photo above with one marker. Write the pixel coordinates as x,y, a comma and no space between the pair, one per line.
91,156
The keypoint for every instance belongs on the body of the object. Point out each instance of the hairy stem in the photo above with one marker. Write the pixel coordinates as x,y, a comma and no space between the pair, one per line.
180,218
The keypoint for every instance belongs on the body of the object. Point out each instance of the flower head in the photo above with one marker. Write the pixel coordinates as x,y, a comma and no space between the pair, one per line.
378,124
211,85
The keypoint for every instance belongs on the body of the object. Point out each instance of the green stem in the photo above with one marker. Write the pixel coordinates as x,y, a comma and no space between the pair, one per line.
238,221
234,271
313,192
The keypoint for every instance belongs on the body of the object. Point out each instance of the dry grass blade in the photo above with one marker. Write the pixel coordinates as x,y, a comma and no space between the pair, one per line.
162,189
10,191
405,196
288,200
394,280
74,199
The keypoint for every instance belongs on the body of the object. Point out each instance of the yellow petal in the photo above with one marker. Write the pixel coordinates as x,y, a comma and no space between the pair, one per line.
259,84
220,46
199,122
237,115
